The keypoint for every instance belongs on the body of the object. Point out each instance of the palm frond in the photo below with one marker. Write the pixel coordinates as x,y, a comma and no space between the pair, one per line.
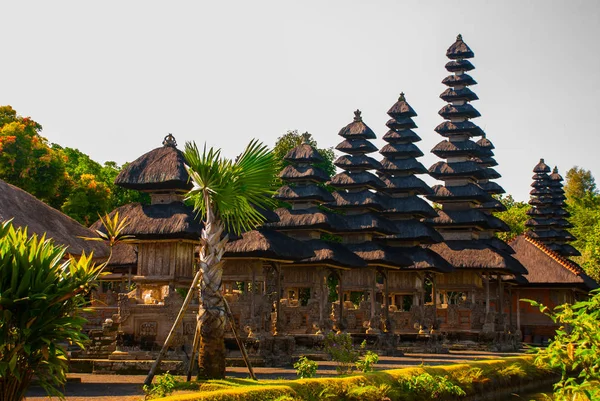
232,188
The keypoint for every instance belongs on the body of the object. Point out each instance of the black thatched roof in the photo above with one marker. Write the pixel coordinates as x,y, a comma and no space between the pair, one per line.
356,146
414,230
357,162
493,205
548,268
353,200
350,180
357,129
470,217
454,193
477,255
486,161
401,149
308,219
456,80
303,193
441,170
486,143
491,187
426,259
267,244
159,221
400,123
450,111
452,95
449,128
39,218
375,254
160,169
459,50
394,166
409,183
123,256
459,65
410,205
555,176
446,149
303,153
405,135
401,109
303,173
369,223
332,254
541,167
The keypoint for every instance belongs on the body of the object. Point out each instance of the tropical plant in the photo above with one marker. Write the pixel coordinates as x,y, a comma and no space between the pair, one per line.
41,292
575,349
431,387
224,195
305,368
367,361
164,386
342,351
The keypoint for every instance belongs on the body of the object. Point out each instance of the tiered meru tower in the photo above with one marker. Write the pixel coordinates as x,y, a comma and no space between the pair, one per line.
548,215
465,220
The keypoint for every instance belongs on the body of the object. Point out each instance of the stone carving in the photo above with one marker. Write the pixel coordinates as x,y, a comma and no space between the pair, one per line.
148,329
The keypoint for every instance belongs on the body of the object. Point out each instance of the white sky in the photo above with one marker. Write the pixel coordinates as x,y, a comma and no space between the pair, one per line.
113,78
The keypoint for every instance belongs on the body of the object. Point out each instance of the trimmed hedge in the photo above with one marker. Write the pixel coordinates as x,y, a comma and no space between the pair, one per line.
473,378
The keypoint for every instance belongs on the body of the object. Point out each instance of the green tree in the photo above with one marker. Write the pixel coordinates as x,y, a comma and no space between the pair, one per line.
580,187
291,139
223,194
515,216
88,199
120,196
26,159
575,349
41,292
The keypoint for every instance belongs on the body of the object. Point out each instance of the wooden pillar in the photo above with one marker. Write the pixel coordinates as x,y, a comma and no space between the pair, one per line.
323,298
373,291
252,306
501,299
341,299
386,299
278,298
518,311
510,310
434,289
487,294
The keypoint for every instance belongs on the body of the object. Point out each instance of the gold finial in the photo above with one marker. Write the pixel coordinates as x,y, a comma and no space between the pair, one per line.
357,116
170,141
305,138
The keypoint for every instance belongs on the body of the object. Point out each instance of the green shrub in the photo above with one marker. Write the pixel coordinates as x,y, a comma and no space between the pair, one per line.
366,362
430,386
305,368
342,351
162,386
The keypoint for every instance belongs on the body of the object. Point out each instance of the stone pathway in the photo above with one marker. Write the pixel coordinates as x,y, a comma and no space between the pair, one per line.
90,387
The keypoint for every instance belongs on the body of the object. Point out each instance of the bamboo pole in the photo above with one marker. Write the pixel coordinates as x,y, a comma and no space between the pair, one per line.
239,341
195,345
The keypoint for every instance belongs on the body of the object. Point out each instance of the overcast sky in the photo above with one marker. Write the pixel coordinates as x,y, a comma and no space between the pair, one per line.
113,78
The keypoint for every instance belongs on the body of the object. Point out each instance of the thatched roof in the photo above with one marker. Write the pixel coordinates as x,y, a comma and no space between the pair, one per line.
303,173
303,193
555,176
360,179
410,205
449,128
470,192
446,149
459,65
401,149
493,205
375,254
354,200
393,165
569,250
477,255
485,143
401,109
486,161
160,169
499,244
303,153
541,167
308,219
441,170
332,254
28,211
414,230
452,95
466,218
123,256
356,146
409,183
405,135
357,162
450,111
357,129
267,244
459,50
456,80
426,259
548,268
491,187
400,123
159,221
369,223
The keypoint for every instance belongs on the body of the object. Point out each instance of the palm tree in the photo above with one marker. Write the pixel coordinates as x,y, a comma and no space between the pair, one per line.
224,195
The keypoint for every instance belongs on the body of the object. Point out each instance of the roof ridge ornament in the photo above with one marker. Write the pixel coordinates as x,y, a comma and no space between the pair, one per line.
402,98
357,116
305,138
555,171
459,37
170,141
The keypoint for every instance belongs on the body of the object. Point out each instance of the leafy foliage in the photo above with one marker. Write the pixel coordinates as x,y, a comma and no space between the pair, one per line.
342,351
515,216
231,188
575,349
305,368
41,291
431,387
291,139
367,361
162,387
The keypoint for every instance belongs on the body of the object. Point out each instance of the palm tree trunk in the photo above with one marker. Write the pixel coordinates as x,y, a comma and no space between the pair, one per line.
211,315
